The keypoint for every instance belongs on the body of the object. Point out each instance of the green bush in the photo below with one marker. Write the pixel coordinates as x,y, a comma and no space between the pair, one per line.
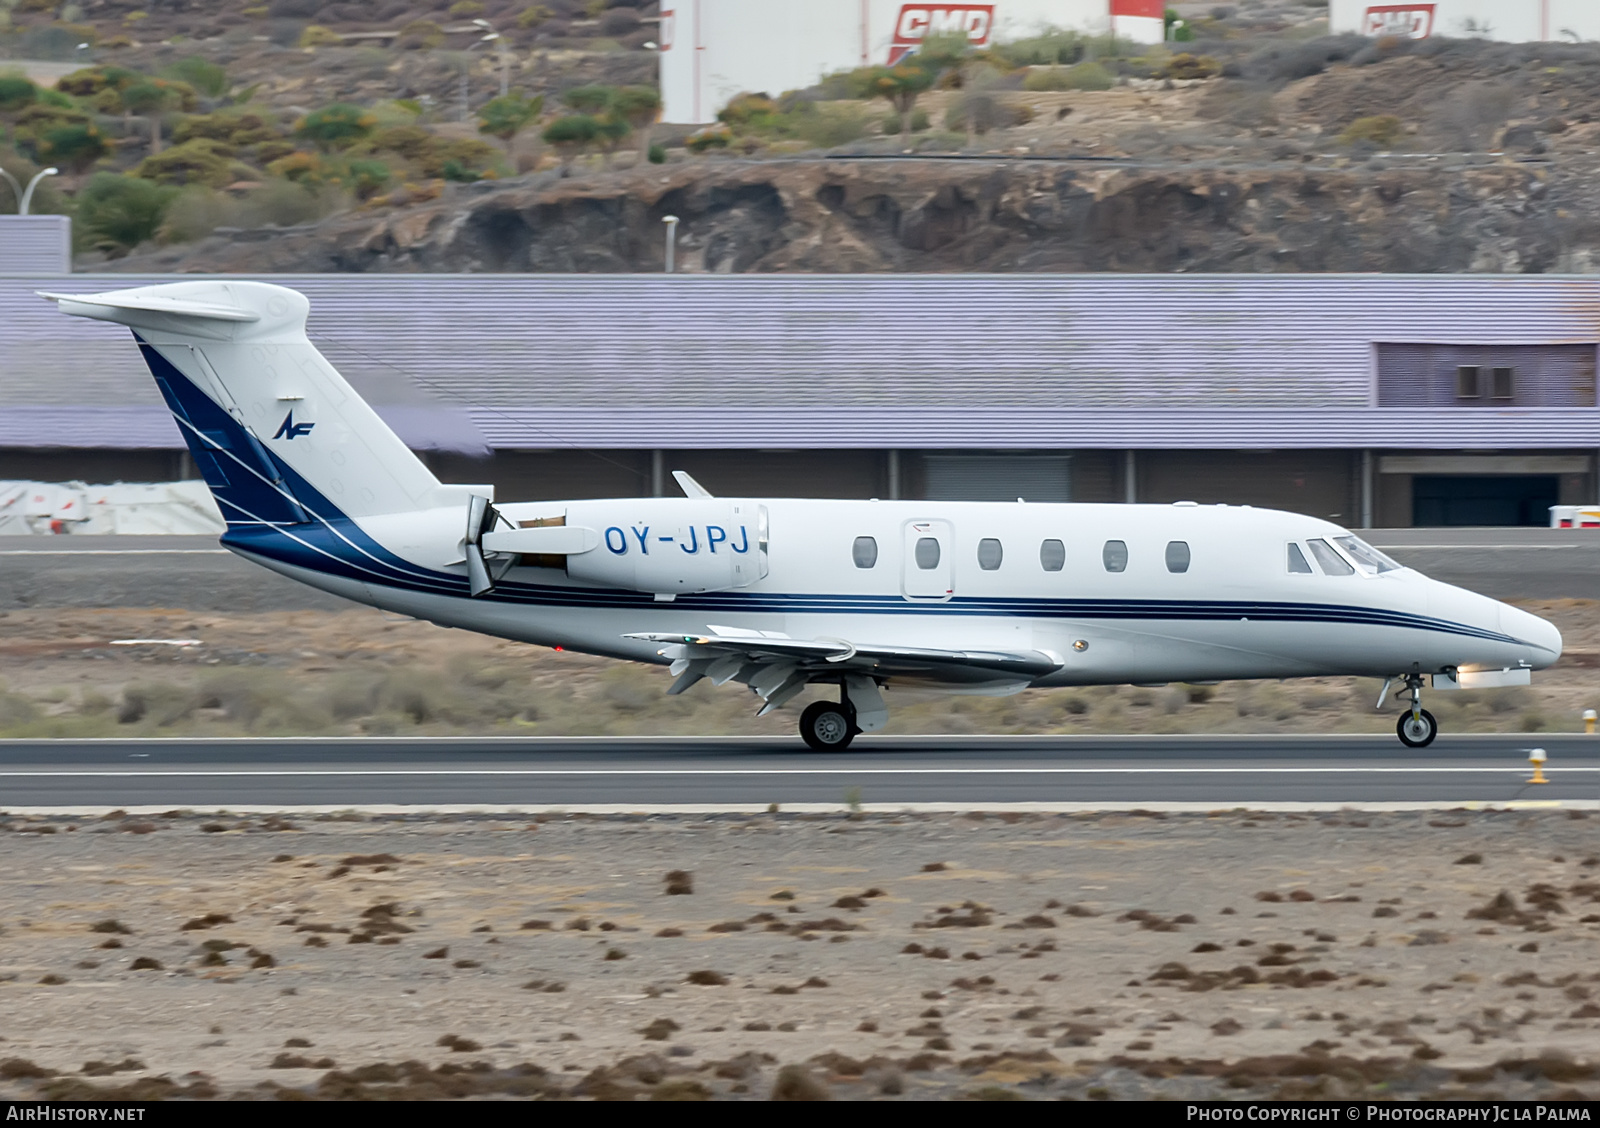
827,127
1081,76
1382,130
1049,48
1186,66
315,35
201,161
658,154
711,137
210,79
74,147
117,213
337,126
233,128
16,93
919,122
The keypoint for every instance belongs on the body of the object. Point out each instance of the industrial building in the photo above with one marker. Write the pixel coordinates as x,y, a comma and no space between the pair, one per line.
1509,21
1372,400
713,50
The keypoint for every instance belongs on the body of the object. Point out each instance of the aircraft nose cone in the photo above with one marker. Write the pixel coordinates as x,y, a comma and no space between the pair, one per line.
1541,635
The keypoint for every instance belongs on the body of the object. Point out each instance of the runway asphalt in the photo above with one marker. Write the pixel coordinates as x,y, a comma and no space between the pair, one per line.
737,772
196,574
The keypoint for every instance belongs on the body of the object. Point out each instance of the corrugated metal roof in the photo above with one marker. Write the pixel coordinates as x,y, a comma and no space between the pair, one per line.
739,428
35,244
1202,361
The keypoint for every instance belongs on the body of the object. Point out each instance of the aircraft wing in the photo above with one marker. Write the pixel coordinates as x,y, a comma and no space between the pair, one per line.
777,666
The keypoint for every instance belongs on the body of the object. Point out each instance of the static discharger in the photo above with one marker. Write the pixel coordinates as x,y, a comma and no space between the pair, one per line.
1536,757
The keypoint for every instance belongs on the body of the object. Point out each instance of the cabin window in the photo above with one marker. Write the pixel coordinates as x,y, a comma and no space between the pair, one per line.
1332,563
1370,560
1298,564
1115,556
864,552
1052,555
989,554
927,553
1177,556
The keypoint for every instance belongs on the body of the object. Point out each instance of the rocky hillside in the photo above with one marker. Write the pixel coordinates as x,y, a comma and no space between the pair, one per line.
1456,157
841,216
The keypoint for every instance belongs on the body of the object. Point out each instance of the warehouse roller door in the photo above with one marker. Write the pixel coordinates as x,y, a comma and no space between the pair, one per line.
998,477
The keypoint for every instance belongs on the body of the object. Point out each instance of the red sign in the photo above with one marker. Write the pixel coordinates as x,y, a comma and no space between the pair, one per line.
918,21
1405,21
1147,9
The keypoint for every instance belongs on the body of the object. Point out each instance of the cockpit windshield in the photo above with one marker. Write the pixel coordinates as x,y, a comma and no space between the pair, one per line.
1370,560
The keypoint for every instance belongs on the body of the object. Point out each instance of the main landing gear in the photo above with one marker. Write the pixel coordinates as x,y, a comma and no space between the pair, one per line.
829,726
1416,727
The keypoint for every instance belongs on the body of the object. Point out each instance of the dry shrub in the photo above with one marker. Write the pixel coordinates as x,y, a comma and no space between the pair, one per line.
797,1083
707,978
679,883
158,704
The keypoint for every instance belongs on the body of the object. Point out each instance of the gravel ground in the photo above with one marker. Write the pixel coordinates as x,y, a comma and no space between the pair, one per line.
356,672
894,957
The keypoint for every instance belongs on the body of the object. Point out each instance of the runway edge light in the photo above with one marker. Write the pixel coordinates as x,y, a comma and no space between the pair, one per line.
1588,721
1537,757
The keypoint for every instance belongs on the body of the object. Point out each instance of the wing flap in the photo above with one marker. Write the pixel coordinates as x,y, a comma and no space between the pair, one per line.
730,654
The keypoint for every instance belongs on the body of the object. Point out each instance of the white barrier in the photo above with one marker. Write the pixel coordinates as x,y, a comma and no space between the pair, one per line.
1575,516
45,508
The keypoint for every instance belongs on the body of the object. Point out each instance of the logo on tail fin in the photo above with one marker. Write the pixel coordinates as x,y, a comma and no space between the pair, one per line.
289,429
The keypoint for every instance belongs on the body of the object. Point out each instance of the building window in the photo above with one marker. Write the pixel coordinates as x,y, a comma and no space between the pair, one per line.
1115,556
1503,382
1052,555
1332,563
864,552
1467,381
927,553
1177,556
1298,564
989,554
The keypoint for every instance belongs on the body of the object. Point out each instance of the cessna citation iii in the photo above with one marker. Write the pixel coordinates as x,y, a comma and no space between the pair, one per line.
973,597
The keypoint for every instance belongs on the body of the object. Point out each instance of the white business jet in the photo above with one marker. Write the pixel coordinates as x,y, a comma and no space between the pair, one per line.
777,594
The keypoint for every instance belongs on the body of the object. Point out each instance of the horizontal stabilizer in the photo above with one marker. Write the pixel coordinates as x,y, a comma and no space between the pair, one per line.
124,306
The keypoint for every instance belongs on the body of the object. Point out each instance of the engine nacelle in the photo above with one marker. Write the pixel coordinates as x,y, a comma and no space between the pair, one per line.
672,546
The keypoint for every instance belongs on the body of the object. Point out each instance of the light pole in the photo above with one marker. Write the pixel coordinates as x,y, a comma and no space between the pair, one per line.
499,42
466,66
25,195
672,242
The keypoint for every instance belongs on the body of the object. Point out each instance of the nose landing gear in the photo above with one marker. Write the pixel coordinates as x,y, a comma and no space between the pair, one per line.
1416,727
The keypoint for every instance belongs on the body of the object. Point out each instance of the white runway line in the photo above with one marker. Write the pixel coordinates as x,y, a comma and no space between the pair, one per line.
648,809
626,773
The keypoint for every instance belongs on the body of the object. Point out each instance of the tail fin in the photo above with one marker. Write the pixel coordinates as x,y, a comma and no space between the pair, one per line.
278,434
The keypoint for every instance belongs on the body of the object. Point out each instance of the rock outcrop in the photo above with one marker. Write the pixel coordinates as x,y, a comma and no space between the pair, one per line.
1396,213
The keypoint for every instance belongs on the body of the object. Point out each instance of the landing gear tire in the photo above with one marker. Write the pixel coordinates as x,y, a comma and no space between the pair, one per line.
1417,731
828,726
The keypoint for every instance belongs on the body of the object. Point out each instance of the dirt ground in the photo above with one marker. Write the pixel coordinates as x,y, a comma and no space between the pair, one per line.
802,956
358,672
